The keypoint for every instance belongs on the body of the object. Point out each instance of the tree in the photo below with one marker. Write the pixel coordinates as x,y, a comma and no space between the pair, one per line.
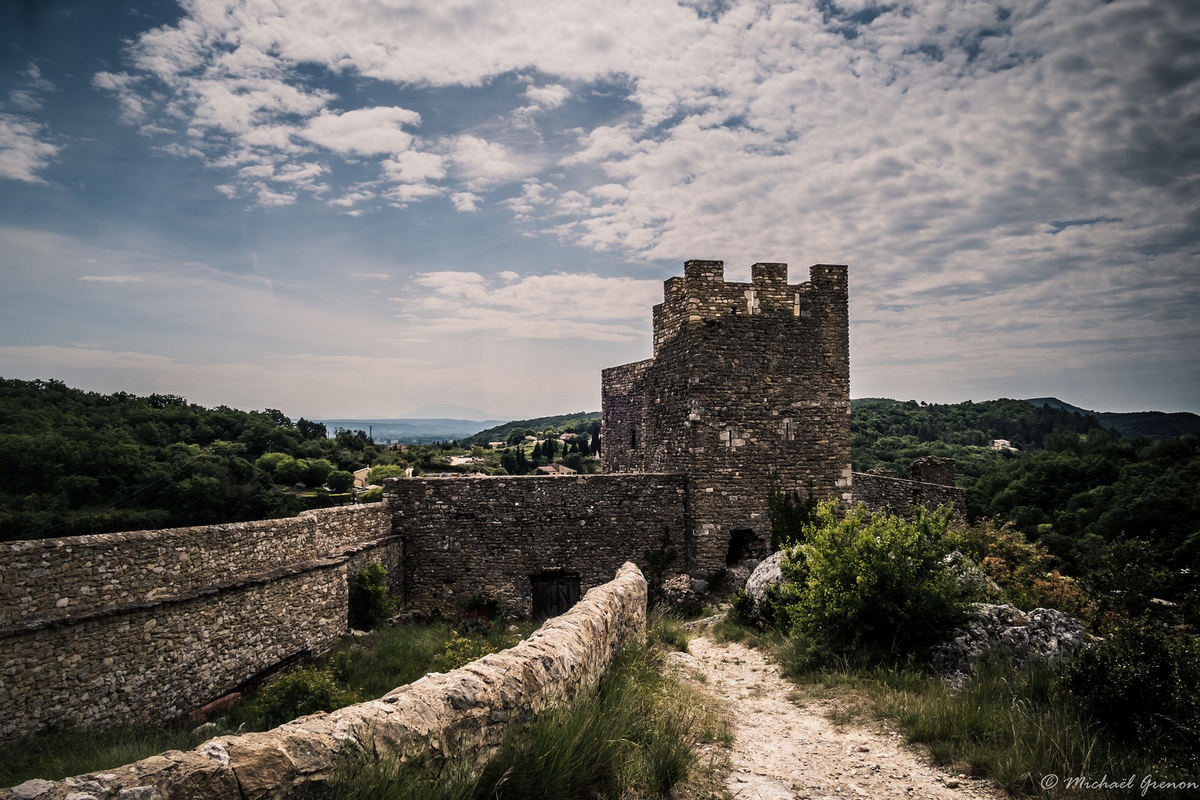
537,451
381,471
316,471
339,480
311,430
290,471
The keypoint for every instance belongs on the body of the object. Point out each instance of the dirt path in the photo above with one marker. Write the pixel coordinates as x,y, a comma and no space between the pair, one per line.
786,751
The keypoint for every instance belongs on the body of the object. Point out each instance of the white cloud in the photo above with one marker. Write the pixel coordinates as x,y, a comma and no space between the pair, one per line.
465,201
560,305
111,278
968,158
365,131
351,198
22,150
550,96
482,164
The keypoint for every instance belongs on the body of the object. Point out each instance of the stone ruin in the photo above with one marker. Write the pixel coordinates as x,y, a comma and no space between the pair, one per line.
748,392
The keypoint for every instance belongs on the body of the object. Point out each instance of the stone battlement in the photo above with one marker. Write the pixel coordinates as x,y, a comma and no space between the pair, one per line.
703,295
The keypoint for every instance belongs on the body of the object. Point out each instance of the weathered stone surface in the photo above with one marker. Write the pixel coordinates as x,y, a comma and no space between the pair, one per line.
765,575
472,539
932,486
736,575
115,570
748,391
679,596
168,624
1041,635
442,716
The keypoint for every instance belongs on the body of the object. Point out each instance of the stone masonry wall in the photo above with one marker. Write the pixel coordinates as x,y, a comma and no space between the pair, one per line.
748,391
461,714
160,662
886,493
150,625
67,577
470,539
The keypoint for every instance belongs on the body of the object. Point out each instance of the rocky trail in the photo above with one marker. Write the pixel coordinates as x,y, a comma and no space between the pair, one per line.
787,749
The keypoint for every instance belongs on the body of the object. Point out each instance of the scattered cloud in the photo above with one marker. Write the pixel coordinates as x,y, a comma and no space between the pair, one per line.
550,96
24,150
111,278
465,201
556,306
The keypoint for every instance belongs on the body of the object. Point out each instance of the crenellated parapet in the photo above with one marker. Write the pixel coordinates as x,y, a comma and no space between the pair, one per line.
702,295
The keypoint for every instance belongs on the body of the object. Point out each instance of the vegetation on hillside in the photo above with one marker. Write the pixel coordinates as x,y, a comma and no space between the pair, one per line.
1121,515
864,596
583,422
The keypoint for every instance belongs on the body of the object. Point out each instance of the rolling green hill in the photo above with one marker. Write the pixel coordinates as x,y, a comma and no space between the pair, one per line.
579,422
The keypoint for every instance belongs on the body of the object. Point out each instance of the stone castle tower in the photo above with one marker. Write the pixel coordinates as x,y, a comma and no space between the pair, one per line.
748,392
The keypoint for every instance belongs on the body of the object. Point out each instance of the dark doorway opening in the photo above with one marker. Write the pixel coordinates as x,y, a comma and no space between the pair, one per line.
554,593
744,543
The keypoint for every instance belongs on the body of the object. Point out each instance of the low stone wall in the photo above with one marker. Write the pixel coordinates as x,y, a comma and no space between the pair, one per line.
899,495
464,713
46,579
481,539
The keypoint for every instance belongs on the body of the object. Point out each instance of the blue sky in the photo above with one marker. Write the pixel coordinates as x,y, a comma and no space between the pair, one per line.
366,208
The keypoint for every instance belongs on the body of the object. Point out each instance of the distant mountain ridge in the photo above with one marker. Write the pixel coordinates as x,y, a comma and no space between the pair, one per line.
1134,424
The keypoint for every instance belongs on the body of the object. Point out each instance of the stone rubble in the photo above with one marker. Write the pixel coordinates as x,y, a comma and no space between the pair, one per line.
1041,635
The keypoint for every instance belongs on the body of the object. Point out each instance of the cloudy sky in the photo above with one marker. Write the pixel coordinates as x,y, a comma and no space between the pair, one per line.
364,208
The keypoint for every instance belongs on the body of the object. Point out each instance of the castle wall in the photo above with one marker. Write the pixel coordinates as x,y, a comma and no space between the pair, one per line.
463,714
748,391
472,539
173,619
64,577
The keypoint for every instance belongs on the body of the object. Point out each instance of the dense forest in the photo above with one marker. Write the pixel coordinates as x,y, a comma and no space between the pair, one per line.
75,462
1109,510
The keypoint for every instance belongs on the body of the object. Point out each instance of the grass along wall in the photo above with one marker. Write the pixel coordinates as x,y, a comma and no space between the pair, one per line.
440,718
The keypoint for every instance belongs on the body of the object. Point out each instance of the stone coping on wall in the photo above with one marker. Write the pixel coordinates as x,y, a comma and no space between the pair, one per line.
337,557
461,714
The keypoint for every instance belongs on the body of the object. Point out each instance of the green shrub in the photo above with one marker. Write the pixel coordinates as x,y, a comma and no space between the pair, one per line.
461,650
371,495
873,582
370,601
1143,684
299,692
